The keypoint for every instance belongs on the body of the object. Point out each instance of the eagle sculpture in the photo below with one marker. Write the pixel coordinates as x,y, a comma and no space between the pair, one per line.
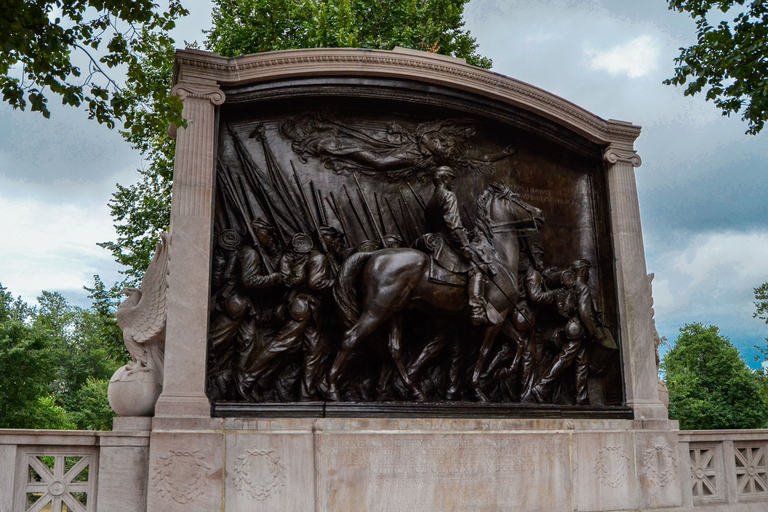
142,316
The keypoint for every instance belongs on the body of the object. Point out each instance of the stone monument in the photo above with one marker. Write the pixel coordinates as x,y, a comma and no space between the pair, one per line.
400,282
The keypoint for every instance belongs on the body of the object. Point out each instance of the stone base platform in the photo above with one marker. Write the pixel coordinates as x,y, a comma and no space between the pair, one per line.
413,465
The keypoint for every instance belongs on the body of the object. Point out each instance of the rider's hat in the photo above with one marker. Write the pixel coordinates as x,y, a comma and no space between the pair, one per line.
444,169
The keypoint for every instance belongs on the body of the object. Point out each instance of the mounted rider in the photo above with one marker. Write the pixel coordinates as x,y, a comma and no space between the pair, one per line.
443,217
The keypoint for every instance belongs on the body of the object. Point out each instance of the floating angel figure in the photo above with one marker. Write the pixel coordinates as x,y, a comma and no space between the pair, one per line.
394,151
142,318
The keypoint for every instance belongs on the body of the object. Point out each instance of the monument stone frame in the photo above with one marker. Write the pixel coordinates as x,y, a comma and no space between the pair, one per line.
200,80
201,462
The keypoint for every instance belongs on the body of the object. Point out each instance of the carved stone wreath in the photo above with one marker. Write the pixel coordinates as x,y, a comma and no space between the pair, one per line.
660,464
181,476
259,473
611,465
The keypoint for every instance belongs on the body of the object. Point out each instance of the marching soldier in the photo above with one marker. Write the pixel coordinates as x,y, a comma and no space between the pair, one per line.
307,273
575,303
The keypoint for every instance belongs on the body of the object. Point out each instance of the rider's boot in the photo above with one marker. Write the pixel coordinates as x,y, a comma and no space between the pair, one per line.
478,316
476,293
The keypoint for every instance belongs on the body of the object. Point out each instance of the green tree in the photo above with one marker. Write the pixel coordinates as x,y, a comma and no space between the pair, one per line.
239,27
93,411
728,59
710,385
56,361
143,209
42,39
252,26
102,323
27,369
82,356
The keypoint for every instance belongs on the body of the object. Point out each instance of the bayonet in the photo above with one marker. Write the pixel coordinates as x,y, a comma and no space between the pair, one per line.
368,211
328,254
357,215
417,196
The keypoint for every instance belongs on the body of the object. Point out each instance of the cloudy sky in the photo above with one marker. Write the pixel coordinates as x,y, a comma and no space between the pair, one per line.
703,183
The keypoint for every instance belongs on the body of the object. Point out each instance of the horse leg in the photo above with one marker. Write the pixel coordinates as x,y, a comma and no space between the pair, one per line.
485,350
456,356
364,327
433,349
385,379
395,349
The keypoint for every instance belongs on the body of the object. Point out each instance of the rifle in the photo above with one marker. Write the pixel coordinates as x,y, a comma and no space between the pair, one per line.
229,187
394,219
368,211
357,215
331,261
337,212
417,196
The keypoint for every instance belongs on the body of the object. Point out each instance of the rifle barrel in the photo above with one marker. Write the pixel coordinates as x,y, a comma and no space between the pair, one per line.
314,221
406,207
335,209
397,224
417,196
357,215
368,211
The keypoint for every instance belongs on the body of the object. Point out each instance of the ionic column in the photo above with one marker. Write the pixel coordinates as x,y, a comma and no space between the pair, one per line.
190,255
634,292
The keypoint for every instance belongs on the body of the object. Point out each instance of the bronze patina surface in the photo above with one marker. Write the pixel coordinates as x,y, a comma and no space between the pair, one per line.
387,247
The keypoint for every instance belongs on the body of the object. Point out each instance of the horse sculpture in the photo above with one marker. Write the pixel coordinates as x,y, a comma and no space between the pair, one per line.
398,279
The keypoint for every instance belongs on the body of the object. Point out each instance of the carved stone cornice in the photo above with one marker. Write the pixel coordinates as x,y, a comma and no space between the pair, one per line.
615,154
192,65
200,91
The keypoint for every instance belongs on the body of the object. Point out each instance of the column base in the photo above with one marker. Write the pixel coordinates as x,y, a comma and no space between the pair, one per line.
182,406
649,410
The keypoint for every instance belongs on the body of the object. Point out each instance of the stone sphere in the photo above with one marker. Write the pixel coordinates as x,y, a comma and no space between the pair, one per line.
133,394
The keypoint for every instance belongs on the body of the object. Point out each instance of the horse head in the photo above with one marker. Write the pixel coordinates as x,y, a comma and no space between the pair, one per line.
500,210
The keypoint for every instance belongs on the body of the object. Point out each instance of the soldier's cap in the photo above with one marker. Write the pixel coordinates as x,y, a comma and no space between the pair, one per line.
330,231
301,243
444,169
366,246
393,239
581,264
260,223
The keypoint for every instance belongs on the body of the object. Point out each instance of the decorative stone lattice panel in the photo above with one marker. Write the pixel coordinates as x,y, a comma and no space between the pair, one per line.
58,481
751,471
705,481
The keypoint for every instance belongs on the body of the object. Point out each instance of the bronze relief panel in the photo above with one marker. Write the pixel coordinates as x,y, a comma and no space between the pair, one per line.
420,249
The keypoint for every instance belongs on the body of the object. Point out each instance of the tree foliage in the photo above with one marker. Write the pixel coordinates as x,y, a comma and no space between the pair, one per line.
27,365
56,361
729,58
710,386
42,40
252,26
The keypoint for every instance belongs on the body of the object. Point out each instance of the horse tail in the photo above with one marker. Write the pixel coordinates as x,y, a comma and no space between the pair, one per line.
345,289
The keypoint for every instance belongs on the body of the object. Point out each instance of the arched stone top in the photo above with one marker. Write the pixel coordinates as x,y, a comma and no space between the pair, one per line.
205,68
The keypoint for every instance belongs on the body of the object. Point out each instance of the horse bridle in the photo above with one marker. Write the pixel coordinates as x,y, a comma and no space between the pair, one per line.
515,226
